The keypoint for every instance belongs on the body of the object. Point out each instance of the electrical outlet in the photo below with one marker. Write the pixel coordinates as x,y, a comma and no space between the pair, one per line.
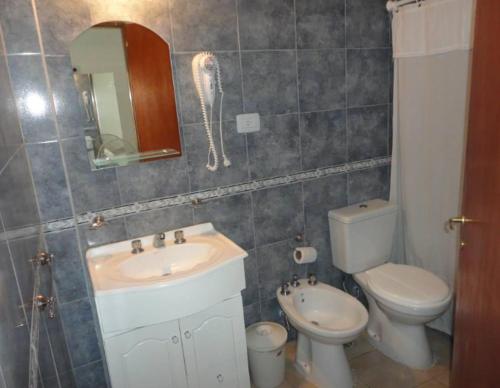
248,122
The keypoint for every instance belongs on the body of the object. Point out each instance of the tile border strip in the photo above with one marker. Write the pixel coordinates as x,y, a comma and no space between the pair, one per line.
188,198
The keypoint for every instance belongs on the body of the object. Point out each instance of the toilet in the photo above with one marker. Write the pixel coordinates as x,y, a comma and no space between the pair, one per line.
401,298
325,318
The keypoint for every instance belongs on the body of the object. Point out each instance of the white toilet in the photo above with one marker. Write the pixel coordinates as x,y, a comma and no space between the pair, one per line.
401,298
326,318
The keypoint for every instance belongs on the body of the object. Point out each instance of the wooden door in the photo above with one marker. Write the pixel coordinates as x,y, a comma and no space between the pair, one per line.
152,89
215,347
476,360
149,357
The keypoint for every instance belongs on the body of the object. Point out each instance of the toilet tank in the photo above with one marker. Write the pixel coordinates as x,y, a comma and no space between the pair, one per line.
361,235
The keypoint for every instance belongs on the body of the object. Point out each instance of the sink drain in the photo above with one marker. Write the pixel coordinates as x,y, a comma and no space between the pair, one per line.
315,323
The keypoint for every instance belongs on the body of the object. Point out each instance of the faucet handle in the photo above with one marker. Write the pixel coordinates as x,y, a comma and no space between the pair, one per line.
137,247
312,279
284,288
179,237
295,280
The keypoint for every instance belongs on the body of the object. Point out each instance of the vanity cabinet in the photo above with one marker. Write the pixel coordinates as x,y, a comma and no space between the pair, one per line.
203,350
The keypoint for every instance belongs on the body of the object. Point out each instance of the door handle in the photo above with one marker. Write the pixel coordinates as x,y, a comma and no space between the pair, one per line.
462,220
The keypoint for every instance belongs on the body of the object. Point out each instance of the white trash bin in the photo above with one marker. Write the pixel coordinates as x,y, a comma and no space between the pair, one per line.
266,353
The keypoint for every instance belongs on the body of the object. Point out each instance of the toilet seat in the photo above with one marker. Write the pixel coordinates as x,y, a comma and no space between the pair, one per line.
406,288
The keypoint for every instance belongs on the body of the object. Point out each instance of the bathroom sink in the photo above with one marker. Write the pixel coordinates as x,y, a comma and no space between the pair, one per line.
160,284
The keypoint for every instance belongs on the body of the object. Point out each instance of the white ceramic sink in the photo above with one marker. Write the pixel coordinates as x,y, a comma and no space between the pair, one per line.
161,284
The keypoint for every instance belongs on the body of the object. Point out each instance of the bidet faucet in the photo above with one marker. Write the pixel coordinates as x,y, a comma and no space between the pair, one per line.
159,240
312,279
284,288
295,280
179,237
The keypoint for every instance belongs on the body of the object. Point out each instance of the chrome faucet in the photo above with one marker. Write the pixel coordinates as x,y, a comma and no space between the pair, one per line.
137,247
284,288
312,279
159,240
179,237
295,280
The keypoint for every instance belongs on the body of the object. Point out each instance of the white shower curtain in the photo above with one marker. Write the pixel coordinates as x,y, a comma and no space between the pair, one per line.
432,44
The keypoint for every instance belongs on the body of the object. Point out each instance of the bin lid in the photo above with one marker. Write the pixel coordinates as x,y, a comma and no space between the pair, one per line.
265,336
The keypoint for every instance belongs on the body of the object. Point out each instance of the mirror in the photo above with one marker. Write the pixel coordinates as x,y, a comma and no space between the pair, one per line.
124,77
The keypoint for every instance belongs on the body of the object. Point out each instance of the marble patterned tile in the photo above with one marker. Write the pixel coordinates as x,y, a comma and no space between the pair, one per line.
204,25
274,150
367,132
69,107
323,137
50,182
18,205
321,79
146,181
278,213
18,27
252,313
251,293
80,332
266,24
367,23
268,75
155,221
91,376
231,216
32,99
69,273
368,80
197,153
320,24
369,184
61,22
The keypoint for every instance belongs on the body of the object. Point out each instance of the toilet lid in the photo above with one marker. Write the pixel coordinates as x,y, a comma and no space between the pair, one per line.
406,284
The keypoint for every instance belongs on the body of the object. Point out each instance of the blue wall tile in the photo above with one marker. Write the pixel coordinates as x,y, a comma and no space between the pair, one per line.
266,24
368,24
231,216
269,82
321,79
202,25
69,273
274,150
33,102
80,332
320,24
50,181
368,77
154,221
367,132
278,213
323,138
196,148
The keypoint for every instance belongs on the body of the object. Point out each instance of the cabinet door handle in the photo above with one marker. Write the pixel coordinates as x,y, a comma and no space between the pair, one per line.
220,378
175,339
187,334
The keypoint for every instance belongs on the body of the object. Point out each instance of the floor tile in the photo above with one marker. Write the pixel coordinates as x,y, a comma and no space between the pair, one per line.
371,369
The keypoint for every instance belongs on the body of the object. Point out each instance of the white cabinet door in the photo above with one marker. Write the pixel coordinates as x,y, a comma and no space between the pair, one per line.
215,347
149,357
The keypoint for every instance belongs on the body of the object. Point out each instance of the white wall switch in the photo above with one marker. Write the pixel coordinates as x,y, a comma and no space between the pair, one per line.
249,122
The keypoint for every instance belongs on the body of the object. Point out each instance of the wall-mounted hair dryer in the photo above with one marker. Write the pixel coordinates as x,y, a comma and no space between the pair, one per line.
207,79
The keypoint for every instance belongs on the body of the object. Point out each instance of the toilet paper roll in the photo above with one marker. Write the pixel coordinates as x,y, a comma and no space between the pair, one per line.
304,255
